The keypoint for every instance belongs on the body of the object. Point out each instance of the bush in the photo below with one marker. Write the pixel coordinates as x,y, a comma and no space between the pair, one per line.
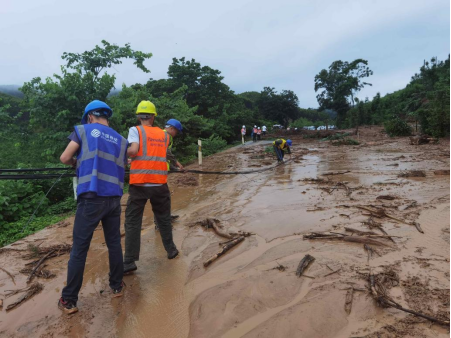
19,199
397,127
14,231
212,145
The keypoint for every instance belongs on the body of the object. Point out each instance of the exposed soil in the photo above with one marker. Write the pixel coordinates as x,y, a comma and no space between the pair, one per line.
252,290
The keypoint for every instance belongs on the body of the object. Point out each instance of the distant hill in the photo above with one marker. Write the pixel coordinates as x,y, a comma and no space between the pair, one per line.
12,90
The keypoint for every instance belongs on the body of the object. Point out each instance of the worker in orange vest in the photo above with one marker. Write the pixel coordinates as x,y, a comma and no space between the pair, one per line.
259,133
254,134
148,181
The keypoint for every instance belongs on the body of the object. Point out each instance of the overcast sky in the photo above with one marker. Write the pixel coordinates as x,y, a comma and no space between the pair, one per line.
281,44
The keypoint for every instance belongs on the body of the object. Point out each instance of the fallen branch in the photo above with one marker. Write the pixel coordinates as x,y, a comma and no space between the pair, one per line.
354,239
42,272
331,273
383,299
336,173
380,213
30,292
303,264
371,223
9,274
30,277
359,232
348,300
370,234
225,248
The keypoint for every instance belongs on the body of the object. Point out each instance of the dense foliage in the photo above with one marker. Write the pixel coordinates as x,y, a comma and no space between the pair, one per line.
423,106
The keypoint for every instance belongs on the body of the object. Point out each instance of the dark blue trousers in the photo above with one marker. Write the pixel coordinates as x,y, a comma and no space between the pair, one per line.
90,211
279,153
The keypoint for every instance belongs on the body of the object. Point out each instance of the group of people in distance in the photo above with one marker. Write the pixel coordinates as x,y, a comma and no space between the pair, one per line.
256,133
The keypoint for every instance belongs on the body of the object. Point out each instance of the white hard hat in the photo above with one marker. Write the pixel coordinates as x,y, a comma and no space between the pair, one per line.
244,126
255,126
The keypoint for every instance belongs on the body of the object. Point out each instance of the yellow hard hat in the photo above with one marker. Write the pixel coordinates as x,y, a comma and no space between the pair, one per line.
146,107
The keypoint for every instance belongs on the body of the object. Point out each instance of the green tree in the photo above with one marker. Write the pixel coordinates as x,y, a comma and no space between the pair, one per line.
339,85
281,107
56,104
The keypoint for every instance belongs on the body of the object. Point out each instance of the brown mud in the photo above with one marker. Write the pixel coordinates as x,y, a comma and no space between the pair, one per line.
245,292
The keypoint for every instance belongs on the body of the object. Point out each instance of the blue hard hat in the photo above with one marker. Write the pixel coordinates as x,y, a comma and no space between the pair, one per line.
289,143
176,124
97,108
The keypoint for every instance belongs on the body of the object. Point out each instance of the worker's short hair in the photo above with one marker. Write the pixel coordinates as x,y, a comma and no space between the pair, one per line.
145,116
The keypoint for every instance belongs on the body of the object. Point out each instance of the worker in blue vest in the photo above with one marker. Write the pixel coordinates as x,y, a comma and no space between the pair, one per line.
99,154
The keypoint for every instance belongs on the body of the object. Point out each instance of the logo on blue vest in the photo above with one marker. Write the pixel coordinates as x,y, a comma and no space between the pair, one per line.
95,133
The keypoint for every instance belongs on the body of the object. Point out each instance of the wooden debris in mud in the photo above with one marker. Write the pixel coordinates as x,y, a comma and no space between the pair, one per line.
1,303
279,267
441,172
36,267
303,264
29,292
380,213
314,180
371,223
412,173
386,197
343,237
412,204
336,173
41,272
370,234
224,249
241,233
348,300
370,251
37,251
360,232
381,297
9,274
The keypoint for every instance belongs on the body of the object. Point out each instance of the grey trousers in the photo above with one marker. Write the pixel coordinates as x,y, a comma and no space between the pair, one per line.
160,199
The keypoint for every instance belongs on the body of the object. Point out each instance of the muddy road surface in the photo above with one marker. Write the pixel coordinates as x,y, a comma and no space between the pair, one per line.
384,185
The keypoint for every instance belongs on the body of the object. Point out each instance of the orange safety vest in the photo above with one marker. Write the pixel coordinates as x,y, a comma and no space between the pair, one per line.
149,165
259,131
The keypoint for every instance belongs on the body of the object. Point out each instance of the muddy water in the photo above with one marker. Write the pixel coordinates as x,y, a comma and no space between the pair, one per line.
241,294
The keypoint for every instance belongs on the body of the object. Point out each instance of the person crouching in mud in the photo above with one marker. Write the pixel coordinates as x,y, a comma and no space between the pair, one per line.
280,145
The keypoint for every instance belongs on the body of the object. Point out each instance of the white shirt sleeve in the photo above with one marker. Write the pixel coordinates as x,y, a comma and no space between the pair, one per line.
133,136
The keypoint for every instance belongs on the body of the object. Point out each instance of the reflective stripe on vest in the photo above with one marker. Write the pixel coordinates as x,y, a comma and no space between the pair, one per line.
86,154
152,168
101,171
282,145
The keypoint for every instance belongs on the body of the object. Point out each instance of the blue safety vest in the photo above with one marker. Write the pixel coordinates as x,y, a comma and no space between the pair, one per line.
101,160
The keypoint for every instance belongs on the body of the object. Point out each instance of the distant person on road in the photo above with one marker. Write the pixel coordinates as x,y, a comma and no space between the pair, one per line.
243,133
254,134
259,132
280,146
264,130
148,182
100,161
